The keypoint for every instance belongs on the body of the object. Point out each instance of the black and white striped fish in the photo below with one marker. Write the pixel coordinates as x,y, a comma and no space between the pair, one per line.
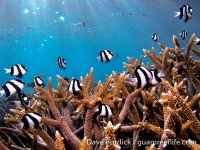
185,12
61,62
105,56
184,34
25,100
155,37
74,86
145,77
103,110
38,81
12,87
31,120
17,70
155,78
32,84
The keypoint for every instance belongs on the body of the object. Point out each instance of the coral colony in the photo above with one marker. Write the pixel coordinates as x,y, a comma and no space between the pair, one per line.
117,114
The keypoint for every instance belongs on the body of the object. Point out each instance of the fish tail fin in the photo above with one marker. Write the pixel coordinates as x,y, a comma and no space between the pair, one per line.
1,93
196,40
98,58
176,14
7,70
134,80
161,74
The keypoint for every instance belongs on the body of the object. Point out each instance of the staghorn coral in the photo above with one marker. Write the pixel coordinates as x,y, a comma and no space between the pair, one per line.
163,116
59,142
111,143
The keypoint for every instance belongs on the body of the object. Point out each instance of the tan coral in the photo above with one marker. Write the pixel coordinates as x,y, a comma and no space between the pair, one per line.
59,141
111,142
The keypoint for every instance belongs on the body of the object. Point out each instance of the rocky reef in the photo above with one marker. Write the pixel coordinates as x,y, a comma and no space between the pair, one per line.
162,116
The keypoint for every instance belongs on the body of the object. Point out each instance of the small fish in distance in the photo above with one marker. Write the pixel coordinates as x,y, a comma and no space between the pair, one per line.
185,12
105,56
31,120
155,37
61,62
11,98
184,34
74,86
117,56
17,70
83,23
38,81
88,30
12,87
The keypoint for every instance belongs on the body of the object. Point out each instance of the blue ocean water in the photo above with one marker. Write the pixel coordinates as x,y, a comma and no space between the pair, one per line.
36,32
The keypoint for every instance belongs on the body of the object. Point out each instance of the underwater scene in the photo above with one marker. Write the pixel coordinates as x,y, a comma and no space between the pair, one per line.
99,75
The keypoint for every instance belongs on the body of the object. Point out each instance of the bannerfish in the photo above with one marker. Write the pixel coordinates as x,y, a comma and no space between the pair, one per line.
74,86
61,63
105,55
103,110
145,77
17,70
155,37
25,100
31,120
184,34
38,81
12,87
185,12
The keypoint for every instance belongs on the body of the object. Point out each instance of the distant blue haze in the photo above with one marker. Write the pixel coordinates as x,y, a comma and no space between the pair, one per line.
36,32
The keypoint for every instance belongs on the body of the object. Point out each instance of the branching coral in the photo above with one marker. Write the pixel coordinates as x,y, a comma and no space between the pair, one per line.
166,113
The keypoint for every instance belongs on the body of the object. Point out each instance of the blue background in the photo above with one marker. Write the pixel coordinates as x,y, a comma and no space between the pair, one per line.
36,32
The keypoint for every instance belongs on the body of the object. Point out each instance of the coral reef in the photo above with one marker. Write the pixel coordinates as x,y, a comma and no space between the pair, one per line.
162,116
